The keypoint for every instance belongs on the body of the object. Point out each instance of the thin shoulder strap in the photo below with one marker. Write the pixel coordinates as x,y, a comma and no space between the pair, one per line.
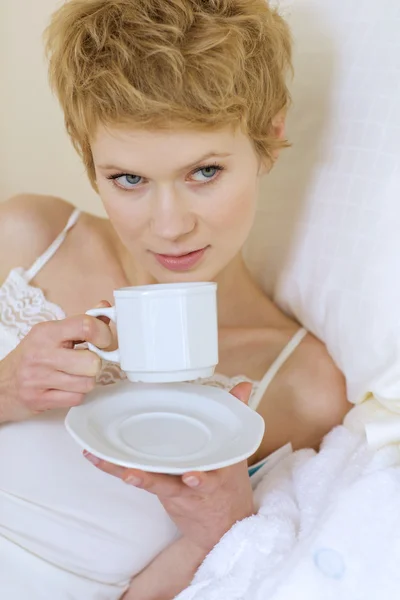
52,249
276,365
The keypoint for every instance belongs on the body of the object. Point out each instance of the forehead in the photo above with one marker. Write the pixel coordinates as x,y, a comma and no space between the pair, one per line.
174,146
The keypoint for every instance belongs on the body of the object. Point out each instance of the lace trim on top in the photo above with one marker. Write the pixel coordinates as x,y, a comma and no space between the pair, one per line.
22,306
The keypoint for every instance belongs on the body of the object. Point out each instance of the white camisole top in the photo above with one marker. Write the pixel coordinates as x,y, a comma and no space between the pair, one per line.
67,530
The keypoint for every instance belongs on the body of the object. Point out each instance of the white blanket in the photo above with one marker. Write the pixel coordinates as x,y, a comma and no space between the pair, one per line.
327,528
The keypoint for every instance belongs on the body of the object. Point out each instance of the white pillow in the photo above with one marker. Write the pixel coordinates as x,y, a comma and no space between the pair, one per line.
326,243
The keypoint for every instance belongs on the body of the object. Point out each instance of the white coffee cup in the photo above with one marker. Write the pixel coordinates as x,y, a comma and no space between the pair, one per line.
166,332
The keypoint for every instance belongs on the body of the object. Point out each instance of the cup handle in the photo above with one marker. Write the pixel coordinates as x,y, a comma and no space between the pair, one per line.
110,313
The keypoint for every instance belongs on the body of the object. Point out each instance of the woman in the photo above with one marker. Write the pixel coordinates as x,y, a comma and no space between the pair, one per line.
177,109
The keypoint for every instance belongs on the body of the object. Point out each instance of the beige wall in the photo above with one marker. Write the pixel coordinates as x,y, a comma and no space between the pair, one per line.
35,153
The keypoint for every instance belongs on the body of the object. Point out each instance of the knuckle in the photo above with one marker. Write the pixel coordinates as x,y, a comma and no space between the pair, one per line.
36,331
40,330
148,484
76,399
88,327
45,403
90,384
85,364
96,364
91,364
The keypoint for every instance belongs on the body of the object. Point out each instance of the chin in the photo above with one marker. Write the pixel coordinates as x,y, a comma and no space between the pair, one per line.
200,273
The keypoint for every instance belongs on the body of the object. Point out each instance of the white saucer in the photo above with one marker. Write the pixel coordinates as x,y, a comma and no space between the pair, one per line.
166,428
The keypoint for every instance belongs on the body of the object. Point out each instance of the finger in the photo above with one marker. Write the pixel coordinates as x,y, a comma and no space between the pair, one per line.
60,399
210,481
103,304
105,466
204,482
160,485
69,383
163,486
67,331
242,391
85,328
76,362
130,476
107,321
194,480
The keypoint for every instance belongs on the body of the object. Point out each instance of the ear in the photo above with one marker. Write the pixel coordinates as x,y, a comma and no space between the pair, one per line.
279,125
278,130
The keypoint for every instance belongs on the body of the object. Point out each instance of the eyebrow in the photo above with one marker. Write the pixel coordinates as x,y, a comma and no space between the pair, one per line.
185,168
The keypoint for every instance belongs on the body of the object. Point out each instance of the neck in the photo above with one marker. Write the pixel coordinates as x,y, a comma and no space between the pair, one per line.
243,304
238,295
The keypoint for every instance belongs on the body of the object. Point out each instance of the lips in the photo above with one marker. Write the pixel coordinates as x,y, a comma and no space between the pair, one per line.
183,262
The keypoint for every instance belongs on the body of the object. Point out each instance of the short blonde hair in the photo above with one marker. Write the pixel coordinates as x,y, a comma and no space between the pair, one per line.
153,63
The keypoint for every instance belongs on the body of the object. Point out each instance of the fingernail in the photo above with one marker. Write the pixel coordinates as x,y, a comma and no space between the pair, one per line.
191,481
133,480
93,459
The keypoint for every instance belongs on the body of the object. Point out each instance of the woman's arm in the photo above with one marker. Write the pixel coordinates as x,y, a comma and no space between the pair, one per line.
169,573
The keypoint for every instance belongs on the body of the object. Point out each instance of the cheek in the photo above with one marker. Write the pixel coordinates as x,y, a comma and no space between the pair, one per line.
234,209
126,216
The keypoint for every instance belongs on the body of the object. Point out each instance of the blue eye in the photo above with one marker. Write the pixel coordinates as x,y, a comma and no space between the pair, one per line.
126,182
206,174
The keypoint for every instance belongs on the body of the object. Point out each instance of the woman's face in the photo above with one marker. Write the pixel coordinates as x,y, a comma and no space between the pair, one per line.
182,202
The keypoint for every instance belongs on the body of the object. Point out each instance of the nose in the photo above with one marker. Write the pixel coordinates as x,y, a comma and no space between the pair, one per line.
171,216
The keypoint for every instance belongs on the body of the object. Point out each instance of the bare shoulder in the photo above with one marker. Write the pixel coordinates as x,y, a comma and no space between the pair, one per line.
318,384
28,225
305,400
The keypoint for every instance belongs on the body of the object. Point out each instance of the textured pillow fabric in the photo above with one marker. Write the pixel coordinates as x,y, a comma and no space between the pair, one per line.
326,243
